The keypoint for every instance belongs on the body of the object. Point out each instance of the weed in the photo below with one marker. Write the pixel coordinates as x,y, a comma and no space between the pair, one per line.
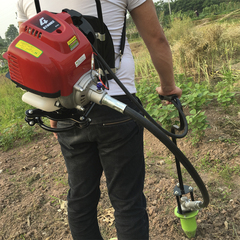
60,180
22,236
235,232
55,201
12,114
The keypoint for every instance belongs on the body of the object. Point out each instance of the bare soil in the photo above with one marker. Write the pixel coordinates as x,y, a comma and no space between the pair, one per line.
33,182
33,185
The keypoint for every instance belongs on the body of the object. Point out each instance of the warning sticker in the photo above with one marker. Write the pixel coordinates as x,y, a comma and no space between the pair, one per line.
29,48
73,43
80,60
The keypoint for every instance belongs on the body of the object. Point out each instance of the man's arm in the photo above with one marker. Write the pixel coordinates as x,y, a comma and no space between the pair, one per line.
147,23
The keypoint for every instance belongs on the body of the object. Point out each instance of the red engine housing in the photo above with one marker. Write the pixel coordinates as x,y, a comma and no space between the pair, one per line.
49,56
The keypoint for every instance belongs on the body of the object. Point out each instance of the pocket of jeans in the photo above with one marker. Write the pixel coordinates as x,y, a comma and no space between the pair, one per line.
117,122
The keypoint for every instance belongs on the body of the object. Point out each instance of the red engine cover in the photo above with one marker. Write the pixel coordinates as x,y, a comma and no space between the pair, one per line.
49,56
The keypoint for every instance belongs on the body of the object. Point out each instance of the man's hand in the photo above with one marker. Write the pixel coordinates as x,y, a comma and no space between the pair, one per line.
53,124
177,91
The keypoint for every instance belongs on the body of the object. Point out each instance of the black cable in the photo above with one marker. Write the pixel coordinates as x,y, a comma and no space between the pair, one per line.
158,131
174,149
99,63
129,95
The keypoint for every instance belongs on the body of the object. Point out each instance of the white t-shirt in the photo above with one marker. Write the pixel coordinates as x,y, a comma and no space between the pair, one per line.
113,16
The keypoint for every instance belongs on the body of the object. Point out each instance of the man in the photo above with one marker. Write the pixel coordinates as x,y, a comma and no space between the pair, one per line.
112,143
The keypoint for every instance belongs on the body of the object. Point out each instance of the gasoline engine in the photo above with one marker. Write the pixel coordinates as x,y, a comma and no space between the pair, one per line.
54,61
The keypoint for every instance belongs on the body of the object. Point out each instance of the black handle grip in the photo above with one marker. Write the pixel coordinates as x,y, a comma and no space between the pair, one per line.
169,98
183,122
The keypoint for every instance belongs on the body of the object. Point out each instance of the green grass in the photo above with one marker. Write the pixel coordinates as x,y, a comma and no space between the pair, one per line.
12,114
200,53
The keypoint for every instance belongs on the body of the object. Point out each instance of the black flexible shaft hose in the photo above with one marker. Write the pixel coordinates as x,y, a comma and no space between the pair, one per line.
174,149
158,131
135,100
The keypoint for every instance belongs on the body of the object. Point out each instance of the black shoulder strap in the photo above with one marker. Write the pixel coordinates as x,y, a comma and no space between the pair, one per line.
101,35
99,12
123,37
37,5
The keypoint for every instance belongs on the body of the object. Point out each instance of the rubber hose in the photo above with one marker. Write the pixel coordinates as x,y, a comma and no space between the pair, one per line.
174,149
134,100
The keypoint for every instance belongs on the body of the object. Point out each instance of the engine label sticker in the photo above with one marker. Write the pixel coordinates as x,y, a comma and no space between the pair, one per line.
46,22
29,48
80,60
73,43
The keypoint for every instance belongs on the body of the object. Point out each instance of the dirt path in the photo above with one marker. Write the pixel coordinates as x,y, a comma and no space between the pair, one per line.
33,182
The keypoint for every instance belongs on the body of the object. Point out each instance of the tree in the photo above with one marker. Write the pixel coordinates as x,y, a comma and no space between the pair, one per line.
3,47
159,6
11,33
192,5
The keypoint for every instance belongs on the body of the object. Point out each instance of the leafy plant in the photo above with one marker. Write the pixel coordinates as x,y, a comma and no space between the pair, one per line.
12,114
198,124
225,98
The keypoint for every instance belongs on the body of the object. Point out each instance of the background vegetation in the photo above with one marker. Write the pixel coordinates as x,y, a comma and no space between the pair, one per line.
10,35
205,52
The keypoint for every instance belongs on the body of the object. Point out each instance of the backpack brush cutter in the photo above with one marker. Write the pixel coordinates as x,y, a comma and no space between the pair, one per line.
54,59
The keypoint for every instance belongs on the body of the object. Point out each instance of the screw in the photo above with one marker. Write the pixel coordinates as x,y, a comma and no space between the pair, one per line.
80,108
57,104
190,188
31,123
82,118
30,111
99,86
176,193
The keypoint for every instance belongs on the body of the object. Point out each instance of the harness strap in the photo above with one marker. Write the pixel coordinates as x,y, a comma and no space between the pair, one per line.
102,32
123,38
37,5
101,35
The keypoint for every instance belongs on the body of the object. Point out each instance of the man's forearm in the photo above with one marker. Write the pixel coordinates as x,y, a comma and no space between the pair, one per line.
162,59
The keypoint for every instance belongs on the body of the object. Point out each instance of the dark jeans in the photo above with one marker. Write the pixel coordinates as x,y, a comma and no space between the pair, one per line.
113,143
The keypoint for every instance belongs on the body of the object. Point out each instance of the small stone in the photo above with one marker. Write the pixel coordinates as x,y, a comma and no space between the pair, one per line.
226,225
154,202
150,211
237,216
44,158
24,168
162,162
